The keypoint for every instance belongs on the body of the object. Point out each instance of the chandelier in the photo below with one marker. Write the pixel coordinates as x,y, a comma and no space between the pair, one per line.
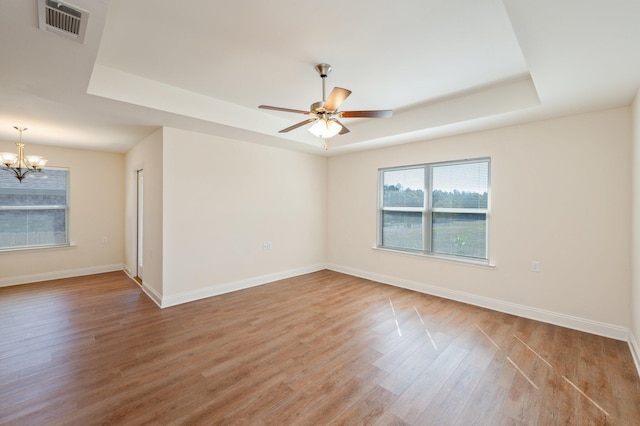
19,164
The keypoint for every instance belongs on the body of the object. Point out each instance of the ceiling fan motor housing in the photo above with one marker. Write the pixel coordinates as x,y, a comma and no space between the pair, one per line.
317,107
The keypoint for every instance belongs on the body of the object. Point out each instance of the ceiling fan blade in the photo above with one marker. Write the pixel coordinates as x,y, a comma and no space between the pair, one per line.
295,126
367,114
298,111
336,98
344,130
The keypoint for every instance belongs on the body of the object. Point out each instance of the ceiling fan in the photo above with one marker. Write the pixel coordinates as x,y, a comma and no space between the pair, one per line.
325,114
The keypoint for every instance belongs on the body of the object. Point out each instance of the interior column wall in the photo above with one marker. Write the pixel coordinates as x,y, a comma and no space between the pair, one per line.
146,155
237,214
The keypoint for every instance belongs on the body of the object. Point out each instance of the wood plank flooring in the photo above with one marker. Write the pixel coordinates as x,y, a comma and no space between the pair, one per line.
323,348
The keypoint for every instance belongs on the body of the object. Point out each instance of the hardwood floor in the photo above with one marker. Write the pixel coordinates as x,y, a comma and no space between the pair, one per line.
323,348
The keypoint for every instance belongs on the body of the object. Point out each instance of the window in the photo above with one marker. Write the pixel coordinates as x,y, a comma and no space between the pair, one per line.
438,209
35,212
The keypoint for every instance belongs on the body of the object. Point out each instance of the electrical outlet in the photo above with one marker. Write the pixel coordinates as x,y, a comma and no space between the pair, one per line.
535,266
267,245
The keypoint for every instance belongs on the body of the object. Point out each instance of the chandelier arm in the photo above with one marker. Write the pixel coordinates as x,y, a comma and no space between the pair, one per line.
18,173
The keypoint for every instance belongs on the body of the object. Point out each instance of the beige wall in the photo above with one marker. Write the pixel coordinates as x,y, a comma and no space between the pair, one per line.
560,195
635,251
96,206
146,156
224,198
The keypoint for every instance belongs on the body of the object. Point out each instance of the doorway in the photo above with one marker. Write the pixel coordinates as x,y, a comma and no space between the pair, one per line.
139,224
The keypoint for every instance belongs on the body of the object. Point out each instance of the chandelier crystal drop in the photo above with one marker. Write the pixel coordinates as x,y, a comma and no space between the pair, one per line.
19,164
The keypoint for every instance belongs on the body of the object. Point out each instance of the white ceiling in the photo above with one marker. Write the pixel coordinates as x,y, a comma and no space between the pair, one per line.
443,66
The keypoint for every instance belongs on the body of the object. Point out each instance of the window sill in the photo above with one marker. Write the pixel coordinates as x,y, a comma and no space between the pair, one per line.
32,248
440,258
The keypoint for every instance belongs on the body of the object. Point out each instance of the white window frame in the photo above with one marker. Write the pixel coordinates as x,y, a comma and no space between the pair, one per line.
64,207
428,210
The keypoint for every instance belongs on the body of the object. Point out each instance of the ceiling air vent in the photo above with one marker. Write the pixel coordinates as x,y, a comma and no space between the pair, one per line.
62,18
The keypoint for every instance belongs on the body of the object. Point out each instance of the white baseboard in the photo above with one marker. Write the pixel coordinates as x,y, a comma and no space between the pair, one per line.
216,290
127,271
576,323
68,273
146,288
152,293
635,351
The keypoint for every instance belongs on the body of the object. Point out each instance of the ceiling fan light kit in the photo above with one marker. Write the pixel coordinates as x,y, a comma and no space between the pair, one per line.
325,128
325,113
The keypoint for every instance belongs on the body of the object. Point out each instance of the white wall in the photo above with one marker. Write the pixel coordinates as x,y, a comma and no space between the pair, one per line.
147,156
96,204
560,195
223,199
635,250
